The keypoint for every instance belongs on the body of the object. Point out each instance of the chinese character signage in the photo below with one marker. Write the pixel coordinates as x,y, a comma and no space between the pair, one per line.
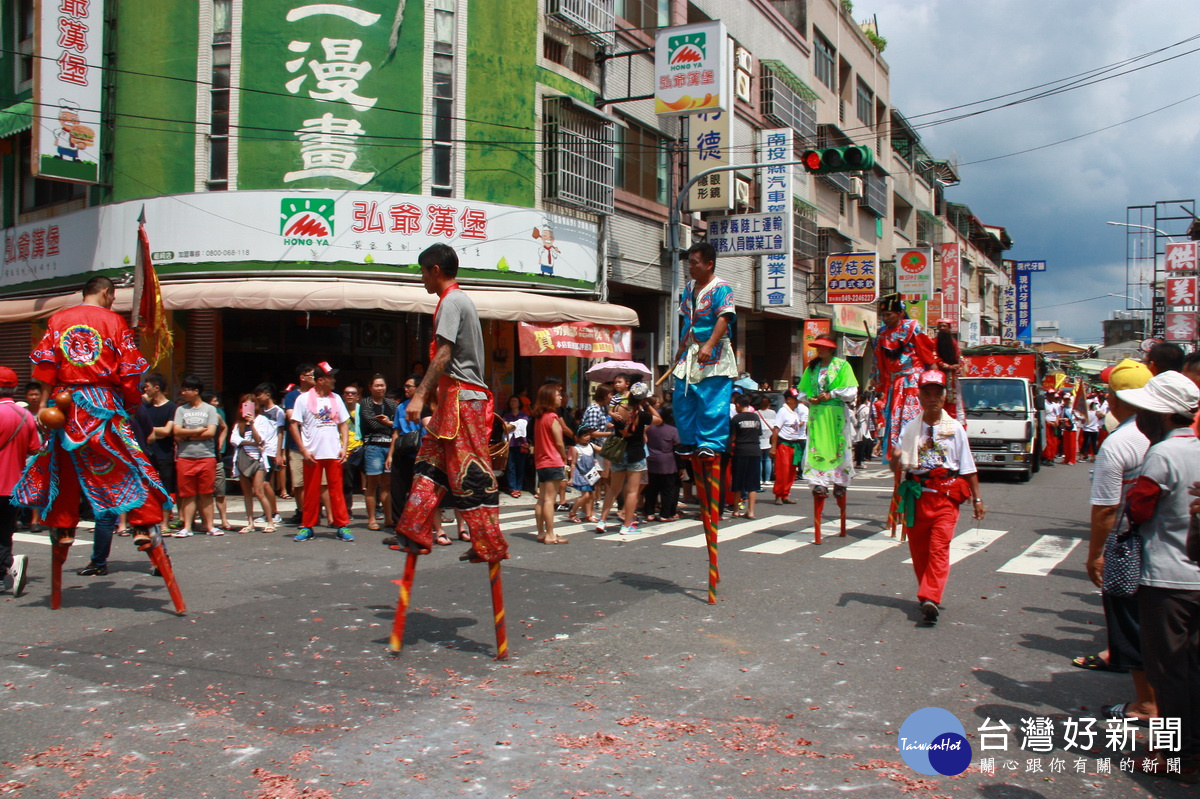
749,234
693,69
1181,291
775,288
1024,309
1181,326
1030,266
1008,313
951,298
914,272
349,101
67,90
576,339
1158,324
361,232
1181,256
709,140
813,330
852,277
855,320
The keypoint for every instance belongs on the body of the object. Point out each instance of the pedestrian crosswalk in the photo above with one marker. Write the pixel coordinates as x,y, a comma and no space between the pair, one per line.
787,533
772,533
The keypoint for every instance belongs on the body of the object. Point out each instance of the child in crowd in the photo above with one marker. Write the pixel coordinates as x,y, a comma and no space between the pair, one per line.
581,464
744,436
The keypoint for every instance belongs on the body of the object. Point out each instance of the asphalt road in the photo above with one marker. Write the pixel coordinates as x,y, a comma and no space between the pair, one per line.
622,680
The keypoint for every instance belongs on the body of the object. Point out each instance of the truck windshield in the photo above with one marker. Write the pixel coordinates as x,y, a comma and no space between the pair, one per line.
993,395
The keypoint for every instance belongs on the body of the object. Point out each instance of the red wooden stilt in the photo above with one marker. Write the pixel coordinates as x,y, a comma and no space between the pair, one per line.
162,562
841,501
58,556
498,610
405,583
818,509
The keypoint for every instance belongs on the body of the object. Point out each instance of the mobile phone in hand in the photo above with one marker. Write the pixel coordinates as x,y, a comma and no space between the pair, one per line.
248,408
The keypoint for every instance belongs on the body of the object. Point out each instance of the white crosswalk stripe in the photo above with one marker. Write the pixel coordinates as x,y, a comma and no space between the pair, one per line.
44,538
866,547
1042,556
803,538
970,542
728,532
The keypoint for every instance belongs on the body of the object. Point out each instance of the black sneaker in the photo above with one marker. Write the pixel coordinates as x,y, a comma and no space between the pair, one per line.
92,570
296,519
929,612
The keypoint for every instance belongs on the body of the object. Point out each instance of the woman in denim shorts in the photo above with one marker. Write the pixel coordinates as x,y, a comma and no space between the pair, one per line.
630,420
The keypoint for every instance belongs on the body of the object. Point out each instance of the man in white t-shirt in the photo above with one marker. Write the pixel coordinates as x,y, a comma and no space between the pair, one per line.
1053,412
320,427
1117,466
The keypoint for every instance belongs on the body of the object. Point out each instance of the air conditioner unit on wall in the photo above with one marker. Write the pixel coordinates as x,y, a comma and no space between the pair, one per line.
742,86
743,59
856,187
743,195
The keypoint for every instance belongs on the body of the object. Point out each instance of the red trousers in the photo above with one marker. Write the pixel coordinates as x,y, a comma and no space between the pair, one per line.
785,468
1050,452
929,544
332,469
1070,446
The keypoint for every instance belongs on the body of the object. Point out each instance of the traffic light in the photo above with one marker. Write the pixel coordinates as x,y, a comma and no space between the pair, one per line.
837,159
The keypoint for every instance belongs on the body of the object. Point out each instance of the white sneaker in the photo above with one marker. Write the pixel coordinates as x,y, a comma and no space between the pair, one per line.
183,533
276,519
599,527
17,574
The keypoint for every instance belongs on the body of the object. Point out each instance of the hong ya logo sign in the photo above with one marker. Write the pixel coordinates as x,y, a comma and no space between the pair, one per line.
306,220
688,49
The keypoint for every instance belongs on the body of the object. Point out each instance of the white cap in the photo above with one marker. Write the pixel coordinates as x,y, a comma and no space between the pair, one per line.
1169,392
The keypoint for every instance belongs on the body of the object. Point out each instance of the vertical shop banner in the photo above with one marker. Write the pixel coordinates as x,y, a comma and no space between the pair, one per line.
693,69
350,99
1181,326
852,277
1181,292
576,339
813,330
1008,313
1024,312
710,135
67,87
914,271
1181,256
951,296
917,307
777,181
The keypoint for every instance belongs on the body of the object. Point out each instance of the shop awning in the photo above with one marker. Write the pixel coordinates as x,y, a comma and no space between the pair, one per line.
339,295
16,118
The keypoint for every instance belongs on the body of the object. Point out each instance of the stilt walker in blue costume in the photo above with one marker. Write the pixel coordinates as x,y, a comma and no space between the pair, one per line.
705,367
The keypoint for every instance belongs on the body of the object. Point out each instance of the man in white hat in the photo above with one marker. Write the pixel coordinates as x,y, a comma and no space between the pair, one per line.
1169,591
939,471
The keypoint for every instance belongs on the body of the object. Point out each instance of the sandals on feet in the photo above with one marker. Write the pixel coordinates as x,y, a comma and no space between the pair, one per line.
442,540
249,528
1094,663
373,526
270,528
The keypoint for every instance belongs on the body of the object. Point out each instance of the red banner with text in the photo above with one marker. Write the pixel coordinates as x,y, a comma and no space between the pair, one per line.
578,339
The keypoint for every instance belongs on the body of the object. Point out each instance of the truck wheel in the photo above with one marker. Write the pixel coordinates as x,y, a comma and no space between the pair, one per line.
1025,476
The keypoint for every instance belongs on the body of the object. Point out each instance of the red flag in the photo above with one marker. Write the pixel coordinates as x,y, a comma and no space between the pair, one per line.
149,315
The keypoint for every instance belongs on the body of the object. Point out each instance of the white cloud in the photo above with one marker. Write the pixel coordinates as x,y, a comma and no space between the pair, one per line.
1054,201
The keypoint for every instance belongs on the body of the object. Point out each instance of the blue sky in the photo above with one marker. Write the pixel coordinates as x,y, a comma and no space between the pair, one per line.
1054,201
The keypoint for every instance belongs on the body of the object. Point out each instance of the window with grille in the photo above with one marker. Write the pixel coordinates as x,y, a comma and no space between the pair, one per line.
578,156
642,163
875,194
804,230
929,228
219,96
26,28
864,106
443,84
823,61
593,17
788,101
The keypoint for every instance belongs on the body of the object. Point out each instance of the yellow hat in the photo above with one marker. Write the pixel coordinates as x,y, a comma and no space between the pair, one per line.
1127,374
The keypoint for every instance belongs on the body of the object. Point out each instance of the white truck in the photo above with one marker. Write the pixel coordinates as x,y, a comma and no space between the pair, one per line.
1003,399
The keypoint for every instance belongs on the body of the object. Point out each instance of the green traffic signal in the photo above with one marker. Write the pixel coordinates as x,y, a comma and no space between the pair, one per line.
838,159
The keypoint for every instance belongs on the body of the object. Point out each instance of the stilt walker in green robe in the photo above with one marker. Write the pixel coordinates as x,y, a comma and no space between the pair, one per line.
830,389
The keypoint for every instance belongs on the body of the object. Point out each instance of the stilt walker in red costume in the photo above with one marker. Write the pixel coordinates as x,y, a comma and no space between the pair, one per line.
902,353
89,357
454,453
